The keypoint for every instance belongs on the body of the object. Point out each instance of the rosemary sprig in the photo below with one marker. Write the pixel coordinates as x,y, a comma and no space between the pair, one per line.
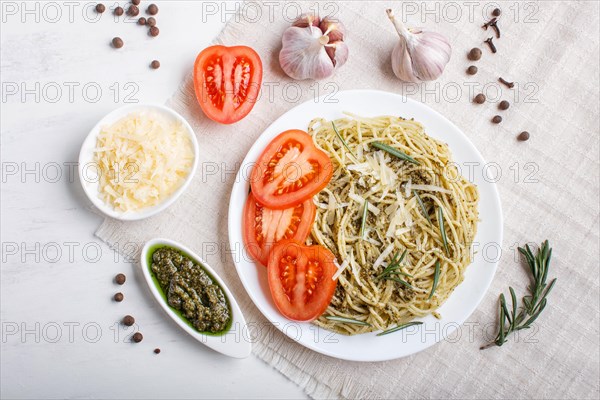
398,328
394,269
342,139
364,220
422,205
345,320
533,303
395,152
436,278
442,229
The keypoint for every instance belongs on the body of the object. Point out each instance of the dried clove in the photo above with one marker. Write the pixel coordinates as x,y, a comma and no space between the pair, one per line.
489,23
506,83
490,42
496,29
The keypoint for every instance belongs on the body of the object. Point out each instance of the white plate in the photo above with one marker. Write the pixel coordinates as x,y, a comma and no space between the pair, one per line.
230,343
88,170
462,302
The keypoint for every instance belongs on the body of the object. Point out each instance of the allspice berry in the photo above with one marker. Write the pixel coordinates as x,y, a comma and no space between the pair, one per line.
155,64
118,297
119,11
152,9
475,54
472,70
133,10
497,119
154,31
496,12
523,136
503,105
100,8
120,278
137,337
479,99
128,320
117,42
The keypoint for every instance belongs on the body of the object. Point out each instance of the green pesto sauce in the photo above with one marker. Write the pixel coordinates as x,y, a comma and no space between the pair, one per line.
192,293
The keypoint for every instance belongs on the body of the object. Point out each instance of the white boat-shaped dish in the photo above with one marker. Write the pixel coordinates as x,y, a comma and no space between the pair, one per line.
229,342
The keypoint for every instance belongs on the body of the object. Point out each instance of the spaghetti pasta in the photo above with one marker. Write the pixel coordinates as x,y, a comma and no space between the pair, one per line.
380,204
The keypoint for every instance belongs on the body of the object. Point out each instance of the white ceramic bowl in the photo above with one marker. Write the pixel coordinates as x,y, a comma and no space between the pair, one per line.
235,342
88,171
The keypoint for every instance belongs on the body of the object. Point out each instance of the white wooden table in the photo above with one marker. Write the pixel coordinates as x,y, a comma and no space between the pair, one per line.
60,337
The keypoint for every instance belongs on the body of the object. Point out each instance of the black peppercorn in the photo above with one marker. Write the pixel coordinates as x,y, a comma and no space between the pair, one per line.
128,320
155,64
118,297
472,70
119,11
154,31
479,99
151,21
496,12
136,2
100,8
156,351
137,337
142,21
497,119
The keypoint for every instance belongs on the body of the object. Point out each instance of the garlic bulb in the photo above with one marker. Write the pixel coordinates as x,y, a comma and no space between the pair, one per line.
313,48
420,55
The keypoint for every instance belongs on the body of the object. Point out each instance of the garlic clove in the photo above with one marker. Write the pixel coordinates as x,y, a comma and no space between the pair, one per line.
333,29
337,52
307,19
402,63
432,56
303,56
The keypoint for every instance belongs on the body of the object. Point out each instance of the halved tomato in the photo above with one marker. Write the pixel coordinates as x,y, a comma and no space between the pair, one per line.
290,170
264,227
301,279
227,82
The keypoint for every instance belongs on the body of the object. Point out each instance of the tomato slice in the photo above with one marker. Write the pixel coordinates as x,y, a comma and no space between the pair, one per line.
227,82
300,279
290,170
264,227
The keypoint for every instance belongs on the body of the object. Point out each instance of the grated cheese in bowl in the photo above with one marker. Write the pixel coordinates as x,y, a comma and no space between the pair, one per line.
142,160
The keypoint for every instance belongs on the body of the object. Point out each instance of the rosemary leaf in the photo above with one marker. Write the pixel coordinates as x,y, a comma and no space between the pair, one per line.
400,281
342,139
395,152
364,220
335,318
436,277
398,328
422,205
513,297
443,230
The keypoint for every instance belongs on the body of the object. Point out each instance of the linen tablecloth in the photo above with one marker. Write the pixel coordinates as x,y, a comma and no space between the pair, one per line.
548,186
